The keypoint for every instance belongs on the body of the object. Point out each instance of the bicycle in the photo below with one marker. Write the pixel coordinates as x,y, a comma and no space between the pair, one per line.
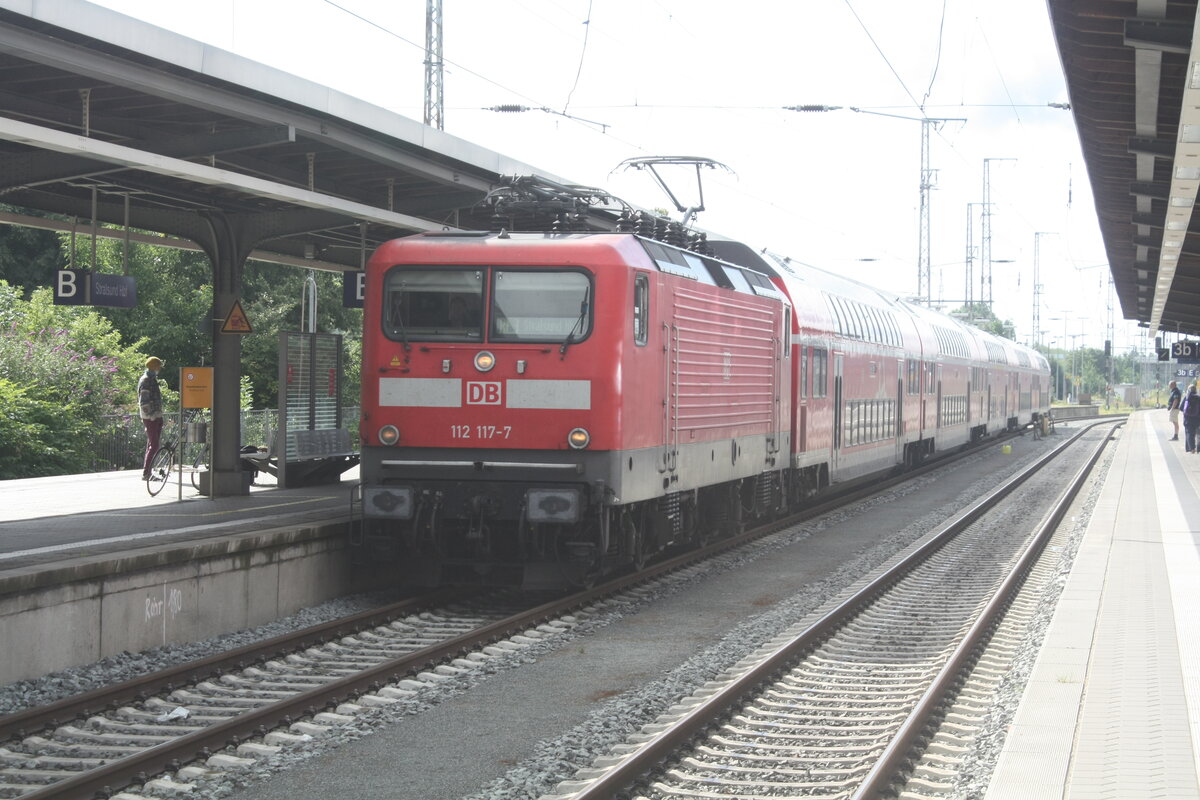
201,460
163,462
161,466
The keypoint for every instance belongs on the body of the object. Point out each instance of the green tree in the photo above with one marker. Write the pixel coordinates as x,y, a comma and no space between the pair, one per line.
175,318
273,296
29,257
174,304
981,316
29,430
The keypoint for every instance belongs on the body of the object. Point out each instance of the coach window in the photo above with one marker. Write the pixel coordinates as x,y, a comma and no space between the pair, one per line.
641,308
804,370
820,372
541,306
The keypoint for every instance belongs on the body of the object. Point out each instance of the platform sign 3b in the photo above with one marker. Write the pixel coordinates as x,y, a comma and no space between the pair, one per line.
1186,352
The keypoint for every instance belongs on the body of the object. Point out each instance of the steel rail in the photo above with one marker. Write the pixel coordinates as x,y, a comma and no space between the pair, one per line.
881,778
169,756
697,721
23,723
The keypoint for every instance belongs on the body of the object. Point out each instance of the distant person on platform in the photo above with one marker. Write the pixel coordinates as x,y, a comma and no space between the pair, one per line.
150,409
1191,419
1174,399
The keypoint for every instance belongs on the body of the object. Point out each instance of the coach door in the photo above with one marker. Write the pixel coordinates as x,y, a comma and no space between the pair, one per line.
898,428
938,411
837,412
991,412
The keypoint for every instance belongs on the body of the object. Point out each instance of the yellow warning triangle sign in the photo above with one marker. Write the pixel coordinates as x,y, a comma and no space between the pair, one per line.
236,320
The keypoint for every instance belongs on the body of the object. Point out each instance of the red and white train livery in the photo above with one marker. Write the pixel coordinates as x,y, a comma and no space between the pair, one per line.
539,408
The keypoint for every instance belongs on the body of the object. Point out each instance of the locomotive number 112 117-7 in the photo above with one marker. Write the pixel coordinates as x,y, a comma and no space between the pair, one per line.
480,431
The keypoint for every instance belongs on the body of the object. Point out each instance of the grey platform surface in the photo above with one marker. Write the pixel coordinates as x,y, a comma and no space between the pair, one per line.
1112,709
44,521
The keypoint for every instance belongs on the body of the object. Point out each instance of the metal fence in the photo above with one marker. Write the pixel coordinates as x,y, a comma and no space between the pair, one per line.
120,441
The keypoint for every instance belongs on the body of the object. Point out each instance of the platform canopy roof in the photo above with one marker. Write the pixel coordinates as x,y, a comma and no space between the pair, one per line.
104,116
1133,73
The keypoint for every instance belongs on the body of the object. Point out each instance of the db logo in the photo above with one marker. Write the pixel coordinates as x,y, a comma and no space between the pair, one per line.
483,393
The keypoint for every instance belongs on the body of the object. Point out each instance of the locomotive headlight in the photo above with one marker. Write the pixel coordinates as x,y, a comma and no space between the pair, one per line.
552,505
578,439
389,435
484,361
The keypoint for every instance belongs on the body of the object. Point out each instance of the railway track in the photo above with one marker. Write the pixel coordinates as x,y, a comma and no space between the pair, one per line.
224,711
855,703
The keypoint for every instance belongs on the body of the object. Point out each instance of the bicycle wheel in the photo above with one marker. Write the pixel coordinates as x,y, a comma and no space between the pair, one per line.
200,461
160,470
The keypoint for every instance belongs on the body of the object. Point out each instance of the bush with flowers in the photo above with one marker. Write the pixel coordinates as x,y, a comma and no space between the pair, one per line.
62,368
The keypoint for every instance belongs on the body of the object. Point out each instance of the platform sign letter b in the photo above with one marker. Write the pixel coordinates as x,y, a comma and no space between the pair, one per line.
70,287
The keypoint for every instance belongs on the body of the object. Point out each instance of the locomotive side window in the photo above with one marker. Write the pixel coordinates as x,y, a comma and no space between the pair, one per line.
641,309
541,306
787,332
440,305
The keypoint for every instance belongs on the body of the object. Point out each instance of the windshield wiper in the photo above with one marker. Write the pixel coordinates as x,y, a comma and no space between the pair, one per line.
578,326
398,324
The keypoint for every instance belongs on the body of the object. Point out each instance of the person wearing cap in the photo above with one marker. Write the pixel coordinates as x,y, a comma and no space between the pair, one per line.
150,409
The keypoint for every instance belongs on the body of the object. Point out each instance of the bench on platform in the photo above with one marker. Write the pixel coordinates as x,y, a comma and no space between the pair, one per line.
264,459
321,457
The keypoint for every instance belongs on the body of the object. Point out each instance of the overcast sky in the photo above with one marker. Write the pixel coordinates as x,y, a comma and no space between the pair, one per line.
624,78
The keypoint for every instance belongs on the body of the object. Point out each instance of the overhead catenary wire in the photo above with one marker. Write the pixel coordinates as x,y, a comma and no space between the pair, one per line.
883,55
937,58
587,27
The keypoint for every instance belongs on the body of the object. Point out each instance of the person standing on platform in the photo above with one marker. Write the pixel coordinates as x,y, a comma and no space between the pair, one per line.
1173,401
1191,419
150,409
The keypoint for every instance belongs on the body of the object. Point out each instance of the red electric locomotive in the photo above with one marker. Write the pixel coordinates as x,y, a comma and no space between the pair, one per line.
542,408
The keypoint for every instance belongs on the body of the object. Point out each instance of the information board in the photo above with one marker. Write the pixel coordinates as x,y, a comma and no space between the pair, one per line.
196,387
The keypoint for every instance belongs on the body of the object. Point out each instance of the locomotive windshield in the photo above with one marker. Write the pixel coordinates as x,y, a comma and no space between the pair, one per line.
448,303
540,306
441,304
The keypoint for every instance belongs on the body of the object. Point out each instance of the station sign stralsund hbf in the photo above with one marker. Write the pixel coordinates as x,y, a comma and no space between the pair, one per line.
82,287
